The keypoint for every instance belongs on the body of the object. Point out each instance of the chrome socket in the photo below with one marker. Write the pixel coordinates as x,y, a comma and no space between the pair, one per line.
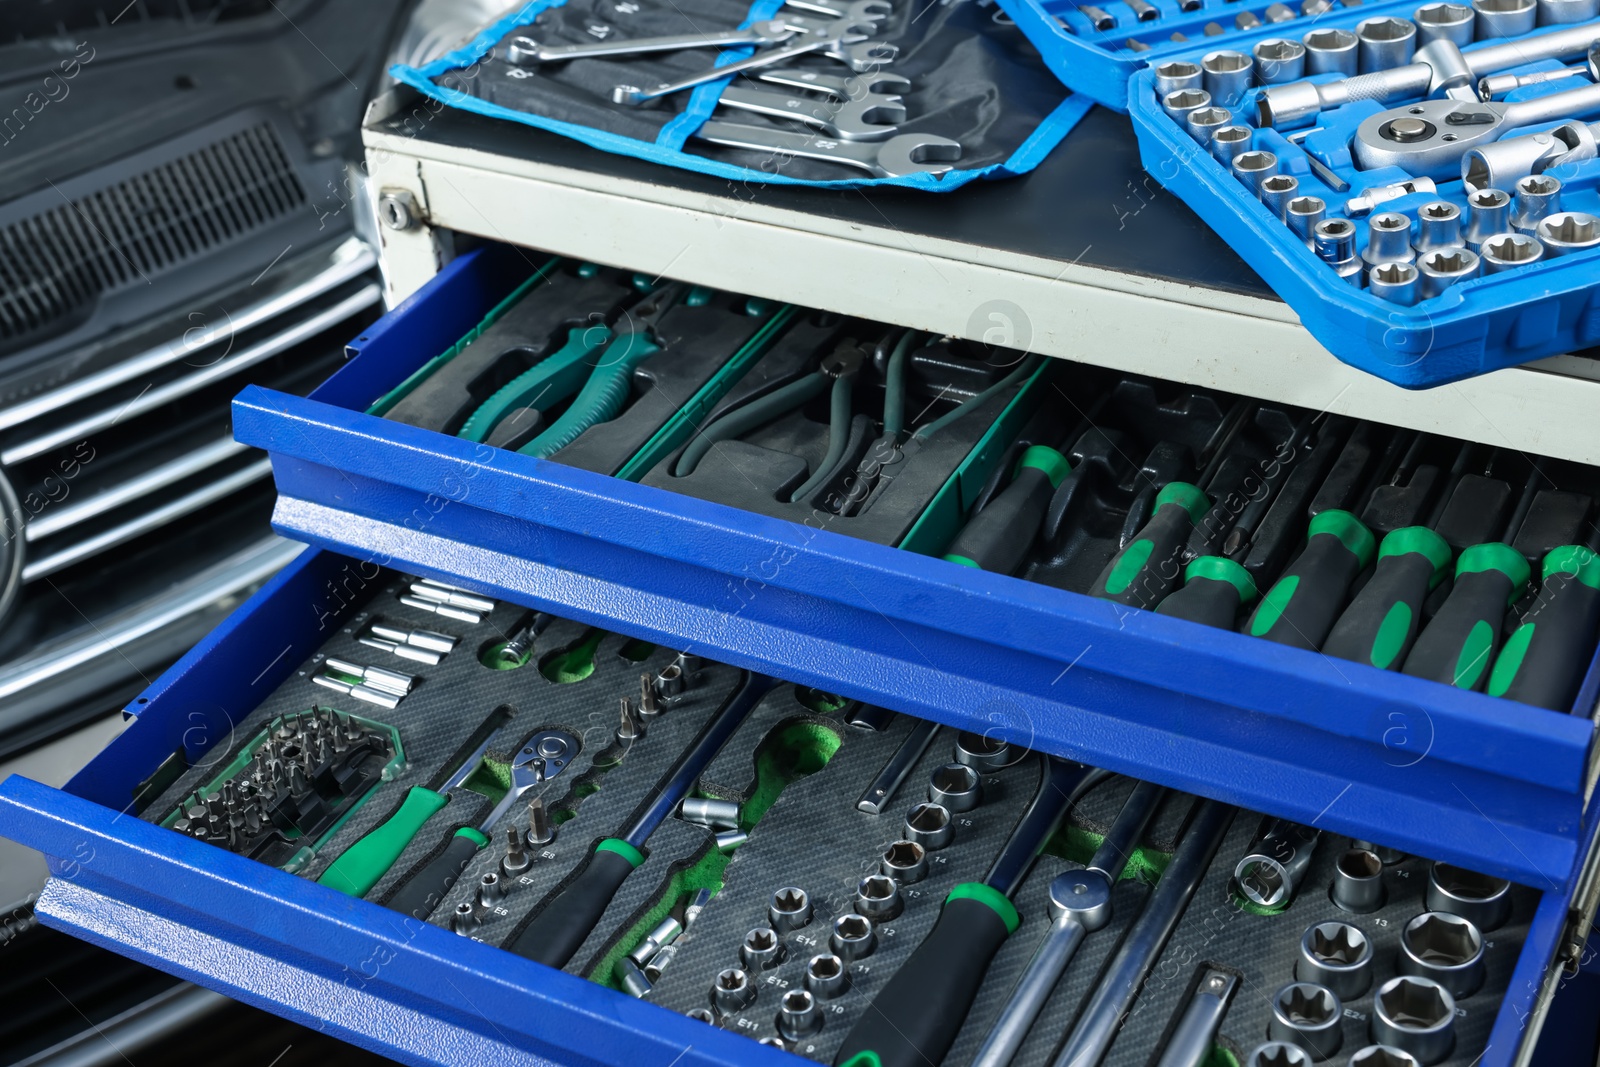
1143,10
491,890
732,991
633,978
1175,75
670,683
1567,232
1226,75
1228,143
1504,18
853,937
1338,956
1385,42
516,861
982,753
1444,267
1331,52
1479,898
904,861
1309,1016
1389,856
721,814
790,909
1358,873
659,962
1098,17
1179,103
878,898
1438,226
826,976
665,933
705,1015
1565,12
1302,215
1416,1015
930,826
762,949
1388,239
1382,1056
1444,22
955,787
1278,1054
1276,192
1205,121
1445,948
1279,60
798,1015
464,919
1538,196
1270,872
1507,251
729,840
1250,167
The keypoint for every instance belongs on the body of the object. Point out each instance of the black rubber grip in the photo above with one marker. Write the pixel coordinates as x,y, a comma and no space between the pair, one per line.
1544,660
1142,574
1458,645
425,887
567,919
1383,619
998,537
1303,603
915,1017
1208,601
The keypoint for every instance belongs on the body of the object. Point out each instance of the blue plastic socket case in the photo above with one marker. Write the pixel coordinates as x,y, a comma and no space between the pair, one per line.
1482,324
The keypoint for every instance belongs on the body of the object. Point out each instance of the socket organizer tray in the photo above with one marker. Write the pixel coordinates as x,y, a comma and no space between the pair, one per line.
785,491
1417,181
590,848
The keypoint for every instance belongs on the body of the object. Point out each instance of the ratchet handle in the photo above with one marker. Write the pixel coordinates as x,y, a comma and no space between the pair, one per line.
570,916
1458,645
1142,574
602,396
1544,659
422,890
1214,589
360,866
998,537
1381,622
916,1015
1303,603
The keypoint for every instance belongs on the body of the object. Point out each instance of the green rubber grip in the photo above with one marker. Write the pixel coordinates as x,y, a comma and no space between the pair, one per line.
1544,660
553,380
360,866
1458,645
422,890
1142,574
1382,621
568,918
1303,603
1214,589
998,537
602,397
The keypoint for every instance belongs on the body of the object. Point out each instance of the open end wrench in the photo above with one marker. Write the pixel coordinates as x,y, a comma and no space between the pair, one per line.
848,10
871,118
526,51
823,39
906,153
839,86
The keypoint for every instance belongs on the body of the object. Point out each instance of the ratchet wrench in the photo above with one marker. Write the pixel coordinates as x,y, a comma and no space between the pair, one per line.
906,153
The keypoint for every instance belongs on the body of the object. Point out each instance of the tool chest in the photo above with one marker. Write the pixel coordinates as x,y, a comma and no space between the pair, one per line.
1274,77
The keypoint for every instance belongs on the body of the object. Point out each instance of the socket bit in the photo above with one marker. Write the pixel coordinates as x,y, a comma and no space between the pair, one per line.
904,861
1338,956
630,727
1302,214
1506,251
1446,22
853,937
540,829
955,787
1445,948
1537,197
733,991
1176,74
790,909
1279,60
1252,166
1309,1016
1388,239
1488,213
1276,192
1567,232
720,814
826,976
464,919
878,898
1438,226
516,861
1444,267
1226,75
633,978
1398,283
762,949
1278,1054
649,705
1416,1015
798,1015
1358,876
930,826
1331,51
659,962
664,934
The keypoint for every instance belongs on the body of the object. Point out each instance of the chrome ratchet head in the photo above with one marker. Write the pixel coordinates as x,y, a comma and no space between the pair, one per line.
1427,138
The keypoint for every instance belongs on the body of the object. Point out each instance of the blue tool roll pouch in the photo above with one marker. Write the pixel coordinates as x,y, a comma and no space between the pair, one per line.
973,78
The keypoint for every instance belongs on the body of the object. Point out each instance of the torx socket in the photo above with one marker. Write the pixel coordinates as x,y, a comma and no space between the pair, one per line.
1331,51
1385,42
1480,898
798,1015
721,814
464,919
878,898
1537,197
1382,1056
1438,226
1358,872
1398,283
1202,122
491,890
1504,18
1444,22
634,981
1179,103
1302,214
790,909
930,826
1567,232
982,753
664,934
1444,267
761,950
1250,167
1445,948
826,976
1099,18
1279,60
1505,251
659,962
1143,10
1229,143
1270,872
1488,213
1388,239
1417,1015
955,787
1278,1054
1309,1016
1177,74
732,991
853,937
705,1015
1338,956
1276,192
1226,75
904,861
1564,12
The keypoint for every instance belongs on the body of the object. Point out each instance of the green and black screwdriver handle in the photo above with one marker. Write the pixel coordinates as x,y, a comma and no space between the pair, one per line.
999,536
1544,659
1304,602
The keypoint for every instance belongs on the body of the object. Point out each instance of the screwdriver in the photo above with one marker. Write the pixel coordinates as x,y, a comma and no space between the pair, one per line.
998,537
360,866
916,1015
1459,643
566,918
1545,658
1145,571
1382,621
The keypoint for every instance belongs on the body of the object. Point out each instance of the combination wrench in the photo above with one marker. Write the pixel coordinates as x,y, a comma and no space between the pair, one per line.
848,42
839,86
906,153
525,50
870,118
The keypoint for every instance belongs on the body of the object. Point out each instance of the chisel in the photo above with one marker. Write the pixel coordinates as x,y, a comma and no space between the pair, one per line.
916,1015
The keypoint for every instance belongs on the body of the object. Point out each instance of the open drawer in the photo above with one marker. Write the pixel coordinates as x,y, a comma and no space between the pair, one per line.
138,869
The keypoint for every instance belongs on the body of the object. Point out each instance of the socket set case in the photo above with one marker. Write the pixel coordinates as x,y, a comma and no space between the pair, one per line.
845,894
1369,753
1523,303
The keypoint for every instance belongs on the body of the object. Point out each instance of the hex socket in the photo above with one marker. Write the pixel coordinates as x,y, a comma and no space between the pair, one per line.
1438,226
1331,51
1444,267
930,826
878,898
1229,142
1358,872
826,976
1309,1016
1537,197
1444,22
1226,75
1417,1015
790,909
1179,103
1302,214
1567,232
1279,60
1389,856
1504,18
853,937
732,991
1564,12
1388,238
1507,251
1382,1056
1270,872
1445,948
1177,74
1385,42
1250,167
762,949
982,753
1202,122
955,787
1480,898
1278,1054
798,1015
904,861
1338,956
1276,192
